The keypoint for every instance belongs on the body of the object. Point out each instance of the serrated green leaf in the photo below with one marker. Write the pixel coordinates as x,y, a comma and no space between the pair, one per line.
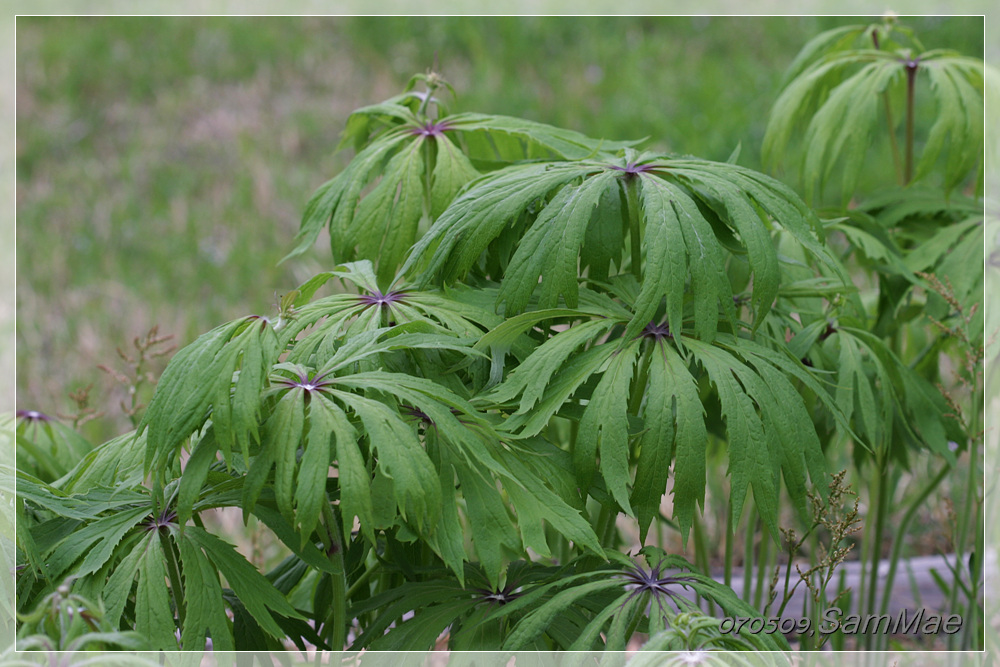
452,172
690,439
352,474
385,224
550,248
448,541
604,428
656,445
531,377
531,139
194,475
94,542
311,475
283,434
254,590
401,458
535,622
205,615
154,618
199,382
958,86
456,240
119,584
753,461
489,522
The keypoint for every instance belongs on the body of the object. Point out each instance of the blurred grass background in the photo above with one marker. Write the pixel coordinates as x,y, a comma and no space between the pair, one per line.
163,163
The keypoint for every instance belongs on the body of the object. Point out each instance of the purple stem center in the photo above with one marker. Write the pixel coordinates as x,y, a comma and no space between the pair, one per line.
379,299
431,129
657,331
33,416
305,383
631,169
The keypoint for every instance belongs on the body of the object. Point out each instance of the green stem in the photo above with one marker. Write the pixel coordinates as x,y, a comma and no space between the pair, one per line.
606,525
173,573
962,534
362,580
639,388
763,565
880,504
730,532
748,555
911,76
427,100
897,544
701,555
635,232
428,149
896,159
335,625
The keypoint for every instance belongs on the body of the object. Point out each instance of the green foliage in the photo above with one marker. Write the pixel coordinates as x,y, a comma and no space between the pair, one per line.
421,163
845,79
535,335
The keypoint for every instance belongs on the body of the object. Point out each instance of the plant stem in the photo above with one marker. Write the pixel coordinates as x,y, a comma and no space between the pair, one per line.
892,126
425,103
911,76
428,149
880,505
962,534
730,532
701,555
639,388
173,573
635,233
335,625
606,525
362,580
763,563
896,159
752,529
897,544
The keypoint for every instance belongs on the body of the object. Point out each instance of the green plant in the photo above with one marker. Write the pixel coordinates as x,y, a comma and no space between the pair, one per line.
535,336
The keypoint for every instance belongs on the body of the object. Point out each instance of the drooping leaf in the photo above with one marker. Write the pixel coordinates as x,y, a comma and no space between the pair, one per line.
220,376
691,213
604,428
205,614
153,616
256,593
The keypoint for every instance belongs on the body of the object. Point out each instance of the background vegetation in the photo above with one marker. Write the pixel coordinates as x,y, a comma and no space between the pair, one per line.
163,163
